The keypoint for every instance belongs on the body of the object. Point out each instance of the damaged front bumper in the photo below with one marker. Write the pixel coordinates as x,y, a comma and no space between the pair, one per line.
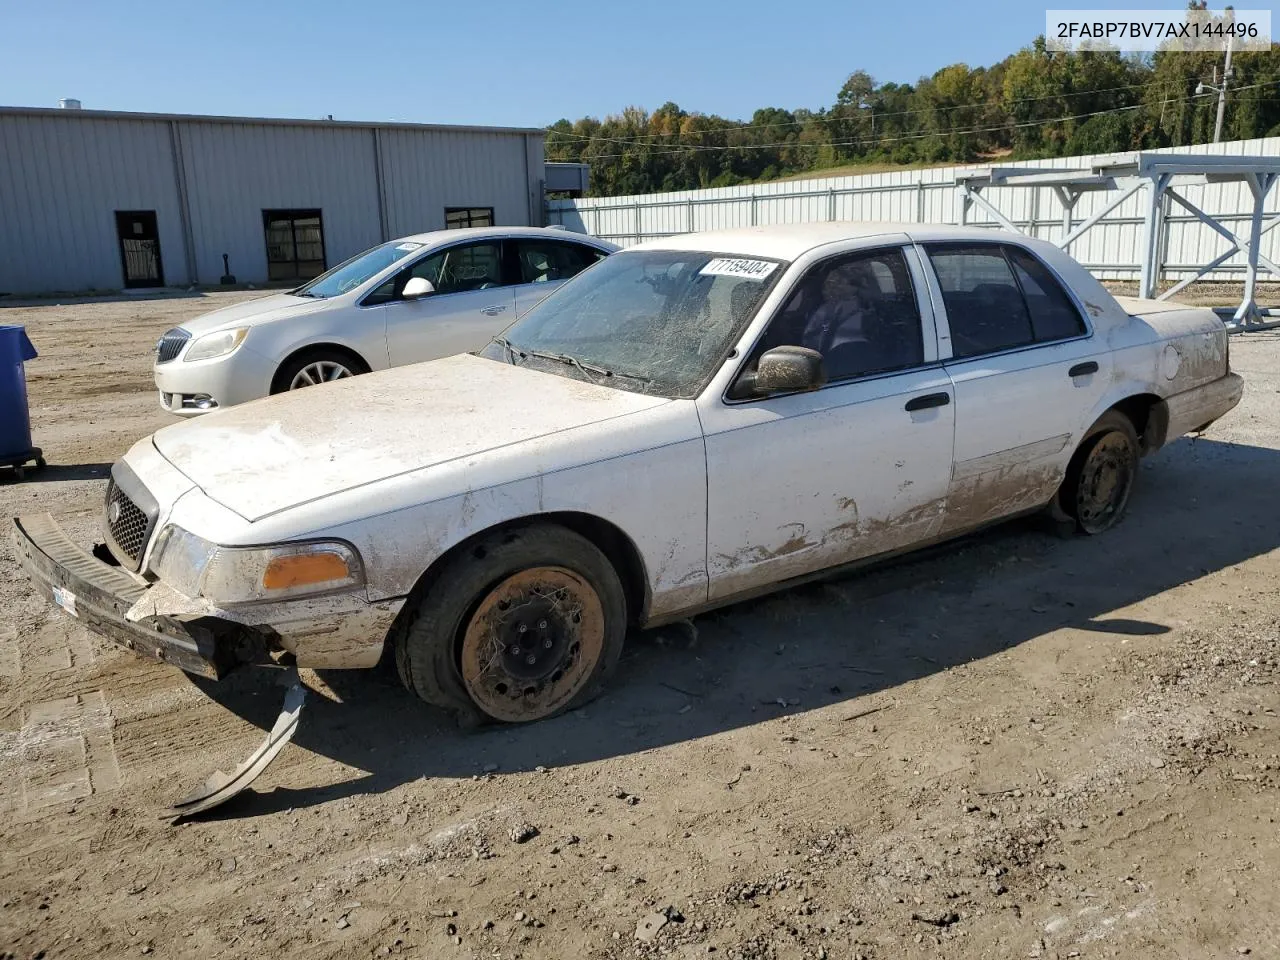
327,632
101,595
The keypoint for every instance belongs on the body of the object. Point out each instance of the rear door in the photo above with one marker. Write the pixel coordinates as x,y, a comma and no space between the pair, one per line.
545,264
474,299
1027,373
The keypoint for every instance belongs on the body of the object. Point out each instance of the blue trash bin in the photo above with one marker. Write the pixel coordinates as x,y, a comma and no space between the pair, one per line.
15,417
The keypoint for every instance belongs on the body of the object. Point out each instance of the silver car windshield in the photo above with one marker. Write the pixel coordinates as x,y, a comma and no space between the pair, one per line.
650,321
351,273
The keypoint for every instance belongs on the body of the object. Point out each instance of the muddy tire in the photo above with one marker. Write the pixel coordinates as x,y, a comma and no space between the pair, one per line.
521,626
1101,476
313,367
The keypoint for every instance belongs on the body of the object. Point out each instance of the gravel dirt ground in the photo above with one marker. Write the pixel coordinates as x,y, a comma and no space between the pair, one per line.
1014,746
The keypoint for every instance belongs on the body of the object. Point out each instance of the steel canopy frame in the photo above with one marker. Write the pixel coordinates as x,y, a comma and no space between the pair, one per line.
1156,172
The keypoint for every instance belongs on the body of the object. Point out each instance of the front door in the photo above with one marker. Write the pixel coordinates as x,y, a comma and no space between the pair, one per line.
472,302
801,482
139,248
1027,375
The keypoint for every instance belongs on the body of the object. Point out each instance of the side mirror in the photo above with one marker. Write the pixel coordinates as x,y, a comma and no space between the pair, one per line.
784,370
417,288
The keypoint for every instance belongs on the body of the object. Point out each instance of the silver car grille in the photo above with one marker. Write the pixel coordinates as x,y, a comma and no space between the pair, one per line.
171,344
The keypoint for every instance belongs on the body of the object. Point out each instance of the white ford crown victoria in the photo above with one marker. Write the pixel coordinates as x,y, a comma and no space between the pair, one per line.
691,421
413,299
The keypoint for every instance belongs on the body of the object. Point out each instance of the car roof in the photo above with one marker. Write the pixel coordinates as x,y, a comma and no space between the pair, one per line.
789,241
481,233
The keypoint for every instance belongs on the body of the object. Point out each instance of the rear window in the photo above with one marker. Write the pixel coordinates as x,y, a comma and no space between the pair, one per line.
985,308
999,297
1053,315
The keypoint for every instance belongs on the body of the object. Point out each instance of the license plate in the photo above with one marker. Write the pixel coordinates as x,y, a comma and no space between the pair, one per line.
66,600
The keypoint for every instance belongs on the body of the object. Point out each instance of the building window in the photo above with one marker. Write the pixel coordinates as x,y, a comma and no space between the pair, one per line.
457,218
295,244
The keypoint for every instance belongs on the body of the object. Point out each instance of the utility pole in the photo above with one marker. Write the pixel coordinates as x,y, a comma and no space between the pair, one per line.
1222,93
1221,89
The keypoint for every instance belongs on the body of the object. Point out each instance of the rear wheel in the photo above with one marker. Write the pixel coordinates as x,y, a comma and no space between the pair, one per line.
315,367
1100,479
522,626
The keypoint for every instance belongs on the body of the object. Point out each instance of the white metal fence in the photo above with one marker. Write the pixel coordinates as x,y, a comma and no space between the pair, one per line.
1112,249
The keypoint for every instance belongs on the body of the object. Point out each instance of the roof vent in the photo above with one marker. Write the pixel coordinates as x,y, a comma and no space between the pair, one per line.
69,103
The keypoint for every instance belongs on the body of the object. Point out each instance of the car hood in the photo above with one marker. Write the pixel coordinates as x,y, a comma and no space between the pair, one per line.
278,306
269,455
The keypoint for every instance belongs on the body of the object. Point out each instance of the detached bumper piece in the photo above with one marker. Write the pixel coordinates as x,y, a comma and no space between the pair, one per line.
100,595
221,787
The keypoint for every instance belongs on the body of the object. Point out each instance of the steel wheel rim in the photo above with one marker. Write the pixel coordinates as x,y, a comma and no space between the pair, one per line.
1105,480
532,644
318,372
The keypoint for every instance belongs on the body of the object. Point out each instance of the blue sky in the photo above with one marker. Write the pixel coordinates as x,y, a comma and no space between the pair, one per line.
487,61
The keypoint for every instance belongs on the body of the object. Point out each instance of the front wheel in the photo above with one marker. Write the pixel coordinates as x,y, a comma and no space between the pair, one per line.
1100,479
314,368
519,627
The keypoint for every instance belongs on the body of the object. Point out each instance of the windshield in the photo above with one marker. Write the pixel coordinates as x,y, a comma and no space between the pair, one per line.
652,321
349,275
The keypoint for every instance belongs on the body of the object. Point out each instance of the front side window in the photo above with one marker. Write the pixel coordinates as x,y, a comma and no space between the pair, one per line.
544,261
651,321
459,218
858,311
476,266
985,308
460,269
295,244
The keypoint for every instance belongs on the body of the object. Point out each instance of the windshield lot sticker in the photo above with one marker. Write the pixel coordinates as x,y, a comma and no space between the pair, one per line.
733,267
408,246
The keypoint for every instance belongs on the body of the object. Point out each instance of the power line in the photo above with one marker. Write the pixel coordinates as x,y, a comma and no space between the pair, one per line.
896,113
692,148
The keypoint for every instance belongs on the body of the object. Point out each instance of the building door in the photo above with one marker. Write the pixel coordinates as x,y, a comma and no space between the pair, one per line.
295,244
139,248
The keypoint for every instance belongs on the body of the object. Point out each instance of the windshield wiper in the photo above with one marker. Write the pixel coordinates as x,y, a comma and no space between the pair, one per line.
506,345
586,368
304,293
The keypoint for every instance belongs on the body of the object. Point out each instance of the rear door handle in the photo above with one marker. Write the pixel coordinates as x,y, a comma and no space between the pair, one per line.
493,311
1083,369
928,400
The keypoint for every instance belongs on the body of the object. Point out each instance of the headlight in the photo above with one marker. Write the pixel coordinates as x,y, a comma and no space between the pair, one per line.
232,575
216,344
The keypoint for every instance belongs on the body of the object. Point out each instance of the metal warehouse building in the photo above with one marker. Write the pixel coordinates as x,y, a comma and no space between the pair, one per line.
97,200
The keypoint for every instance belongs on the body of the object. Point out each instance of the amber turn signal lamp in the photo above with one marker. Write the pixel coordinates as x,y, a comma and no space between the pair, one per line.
302,569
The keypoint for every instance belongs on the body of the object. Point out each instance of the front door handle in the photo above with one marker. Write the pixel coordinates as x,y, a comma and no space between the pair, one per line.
494,310
928,400
1083,369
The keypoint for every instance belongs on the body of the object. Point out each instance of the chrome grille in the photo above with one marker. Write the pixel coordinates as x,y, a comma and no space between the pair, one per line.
126,523
171,344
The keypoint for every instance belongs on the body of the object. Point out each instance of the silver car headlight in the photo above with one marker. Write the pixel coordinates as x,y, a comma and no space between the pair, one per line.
216,344
233,575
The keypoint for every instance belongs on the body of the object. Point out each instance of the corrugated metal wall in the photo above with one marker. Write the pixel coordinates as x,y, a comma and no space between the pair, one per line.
425,171
1111,249
63,176
235,171
61,181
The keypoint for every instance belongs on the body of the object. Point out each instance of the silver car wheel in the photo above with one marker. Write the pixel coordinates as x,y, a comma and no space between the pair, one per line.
322,371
